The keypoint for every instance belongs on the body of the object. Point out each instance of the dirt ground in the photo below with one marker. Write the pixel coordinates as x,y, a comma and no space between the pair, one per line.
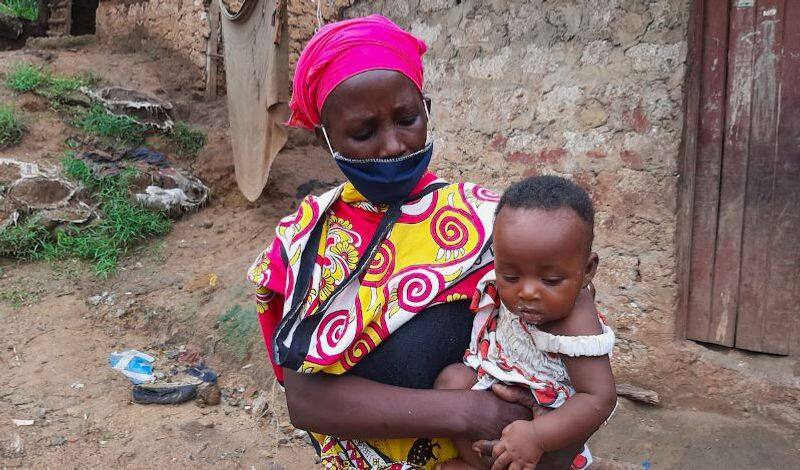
55,342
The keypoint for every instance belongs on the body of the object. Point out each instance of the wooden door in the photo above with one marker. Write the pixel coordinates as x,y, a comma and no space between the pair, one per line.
740,191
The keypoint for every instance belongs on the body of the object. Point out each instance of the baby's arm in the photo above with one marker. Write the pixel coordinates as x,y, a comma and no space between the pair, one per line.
582,414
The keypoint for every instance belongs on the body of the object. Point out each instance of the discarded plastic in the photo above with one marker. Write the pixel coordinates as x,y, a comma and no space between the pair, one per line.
22,422
135,365
203,373
164,394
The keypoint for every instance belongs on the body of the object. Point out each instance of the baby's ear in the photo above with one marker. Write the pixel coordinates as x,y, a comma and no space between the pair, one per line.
590,269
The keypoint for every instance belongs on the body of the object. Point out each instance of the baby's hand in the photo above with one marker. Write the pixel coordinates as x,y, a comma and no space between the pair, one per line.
519,448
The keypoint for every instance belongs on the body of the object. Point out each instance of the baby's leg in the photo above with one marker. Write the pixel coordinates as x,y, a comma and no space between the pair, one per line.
459,377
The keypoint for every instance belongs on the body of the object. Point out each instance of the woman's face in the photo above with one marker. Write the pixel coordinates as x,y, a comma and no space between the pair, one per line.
375,114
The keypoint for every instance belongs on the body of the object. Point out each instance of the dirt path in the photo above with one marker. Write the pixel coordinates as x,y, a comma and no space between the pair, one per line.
54,346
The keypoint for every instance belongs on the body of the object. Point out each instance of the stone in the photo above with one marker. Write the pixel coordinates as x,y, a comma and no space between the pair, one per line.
592,115
208,394
57,441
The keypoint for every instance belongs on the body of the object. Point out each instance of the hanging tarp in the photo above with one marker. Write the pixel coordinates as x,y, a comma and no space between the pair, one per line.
257,82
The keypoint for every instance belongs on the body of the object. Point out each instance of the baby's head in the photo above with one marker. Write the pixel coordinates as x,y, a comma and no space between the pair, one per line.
543,232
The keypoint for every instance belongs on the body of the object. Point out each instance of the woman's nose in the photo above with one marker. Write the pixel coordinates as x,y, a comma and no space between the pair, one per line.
392,145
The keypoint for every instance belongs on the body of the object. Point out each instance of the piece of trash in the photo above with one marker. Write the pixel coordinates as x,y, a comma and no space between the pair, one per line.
17,446
203,373
646,465
150,156
190,355
247,366
135,365
164,393
22,422
77,385
57,441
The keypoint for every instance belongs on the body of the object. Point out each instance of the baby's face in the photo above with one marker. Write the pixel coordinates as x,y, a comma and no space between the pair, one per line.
542,260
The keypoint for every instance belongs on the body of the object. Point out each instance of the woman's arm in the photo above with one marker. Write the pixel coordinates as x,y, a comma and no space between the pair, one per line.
350,407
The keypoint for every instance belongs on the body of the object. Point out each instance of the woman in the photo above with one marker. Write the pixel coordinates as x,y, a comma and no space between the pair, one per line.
363,296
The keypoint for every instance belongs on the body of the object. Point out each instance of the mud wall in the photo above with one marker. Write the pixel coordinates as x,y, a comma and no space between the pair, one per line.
180,26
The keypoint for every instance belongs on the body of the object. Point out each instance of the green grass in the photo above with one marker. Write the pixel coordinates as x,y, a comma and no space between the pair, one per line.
27,9
187,140
123,224
23,77
20,297
239,329
122,129
58,87
11,128
24,240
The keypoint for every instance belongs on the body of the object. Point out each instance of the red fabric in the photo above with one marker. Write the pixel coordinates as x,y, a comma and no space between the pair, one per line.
343,49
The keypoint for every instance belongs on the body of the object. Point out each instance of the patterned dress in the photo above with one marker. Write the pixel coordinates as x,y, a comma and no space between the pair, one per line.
372,269
506,349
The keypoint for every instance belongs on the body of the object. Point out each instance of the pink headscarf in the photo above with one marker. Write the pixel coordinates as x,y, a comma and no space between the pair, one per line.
341,50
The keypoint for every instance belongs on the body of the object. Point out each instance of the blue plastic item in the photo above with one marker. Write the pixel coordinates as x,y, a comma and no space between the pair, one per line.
203,373
135,365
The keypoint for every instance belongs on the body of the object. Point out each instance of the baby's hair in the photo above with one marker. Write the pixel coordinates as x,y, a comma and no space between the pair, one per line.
550,193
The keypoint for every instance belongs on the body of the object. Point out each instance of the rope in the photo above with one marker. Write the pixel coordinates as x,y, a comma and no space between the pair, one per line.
319,16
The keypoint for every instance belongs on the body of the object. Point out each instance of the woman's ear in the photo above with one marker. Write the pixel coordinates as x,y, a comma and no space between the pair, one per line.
590,269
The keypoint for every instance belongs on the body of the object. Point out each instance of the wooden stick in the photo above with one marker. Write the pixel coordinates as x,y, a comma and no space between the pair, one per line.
641,395
212,54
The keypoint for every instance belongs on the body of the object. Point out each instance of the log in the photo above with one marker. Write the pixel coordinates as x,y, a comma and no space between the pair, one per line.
639,394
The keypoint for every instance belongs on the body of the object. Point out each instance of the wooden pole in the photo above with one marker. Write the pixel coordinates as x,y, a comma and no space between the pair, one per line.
212,54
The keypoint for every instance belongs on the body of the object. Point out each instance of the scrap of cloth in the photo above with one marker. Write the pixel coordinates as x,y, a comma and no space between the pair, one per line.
436,252
256,73
341,50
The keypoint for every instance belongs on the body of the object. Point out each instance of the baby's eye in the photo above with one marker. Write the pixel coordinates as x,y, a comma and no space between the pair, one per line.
552,281
509,278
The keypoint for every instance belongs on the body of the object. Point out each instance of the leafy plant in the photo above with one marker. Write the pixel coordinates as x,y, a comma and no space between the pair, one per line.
11,129
188,141
23,77
27,9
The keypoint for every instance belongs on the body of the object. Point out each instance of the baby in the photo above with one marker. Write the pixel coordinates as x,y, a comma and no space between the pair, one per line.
528,332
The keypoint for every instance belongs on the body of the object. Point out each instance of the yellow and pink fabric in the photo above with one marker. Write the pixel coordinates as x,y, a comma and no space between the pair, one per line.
436,251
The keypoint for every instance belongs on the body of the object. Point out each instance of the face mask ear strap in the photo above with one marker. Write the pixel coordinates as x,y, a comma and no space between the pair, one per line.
425,105
327,140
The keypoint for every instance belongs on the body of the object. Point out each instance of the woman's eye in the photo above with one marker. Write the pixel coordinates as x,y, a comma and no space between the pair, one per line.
552,281
409,121
362,136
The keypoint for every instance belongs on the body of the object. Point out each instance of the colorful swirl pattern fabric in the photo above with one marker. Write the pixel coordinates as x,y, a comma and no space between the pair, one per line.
436,251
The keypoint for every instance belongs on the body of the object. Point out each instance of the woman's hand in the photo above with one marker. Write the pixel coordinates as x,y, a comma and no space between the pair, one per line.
491,413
